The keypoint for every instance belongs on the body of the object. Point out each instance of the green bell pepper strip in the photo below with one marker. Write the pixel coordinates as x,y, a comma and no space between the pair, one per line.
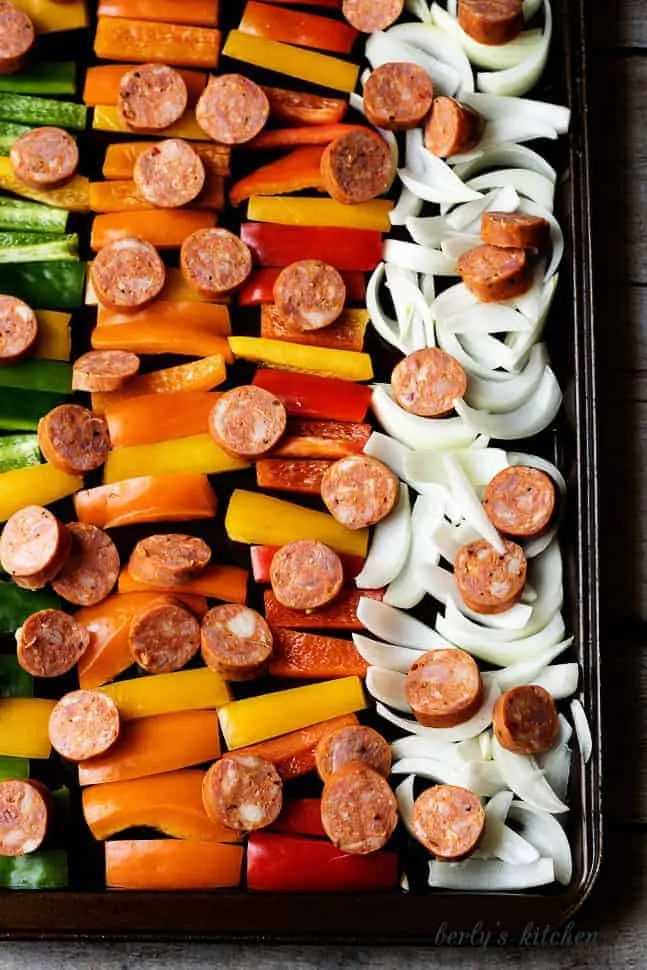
14,768
18,450
45,286
45,77
52,376
10,132
14,681
22,410
31,216
39,870
27,110
17,247
17,604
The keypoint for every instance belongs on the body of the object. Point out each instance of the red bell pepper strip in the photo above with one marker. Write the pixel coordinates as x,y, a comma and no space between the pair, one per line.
346,333
286,475
310,656
300,108
287,863
300,169
274,245
262,556
259,288
309,396
332,4
341,614
322,439
305,135
302,816
296,27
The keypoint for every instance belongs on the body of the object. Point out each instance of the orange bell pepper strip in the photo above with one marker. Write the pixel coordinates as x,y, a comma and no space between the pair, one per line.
159,417
153,745
198,375
170,803
293,754
341,614
197,689
286,475
172,865
274,55
322,439
296,27
226,583
200,13
102,82
151,498
122,196
163,228
161,337
346,333
206,318
309,656
120,158
291,137
301,108
123,39
301,169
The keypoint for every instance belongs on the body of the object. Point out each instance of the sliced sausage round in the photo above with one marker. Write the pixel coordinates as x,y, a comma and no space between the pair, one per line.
352,744
92,569
17,38
232,109
168,560
449,821
84,724
493,274
164,637
169,174
359,812
488,581
45,158
359,491
306,574
128,274
50,643
444,688
247,421
452,128
514,230
236,642
74,439
24,816
370,15
18,329
397,96
427,382
491,21
525,720
243,792
309,294
215,262
520,501
34,546
152,97
357,167
104,370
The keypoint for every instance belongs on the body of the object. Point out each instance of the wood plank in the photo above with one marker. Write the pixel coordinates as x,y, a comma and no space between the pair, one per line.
618,23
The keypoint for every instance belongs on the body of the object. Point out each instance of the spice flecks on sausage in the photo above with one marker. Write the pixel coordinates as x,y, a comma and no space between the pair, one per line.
444,688
236,642
169,174
243,792
34,546
358,809
18,329
247,421
152,97
103,370
397,96
520,501
488,581
232,109
309,294
493,274
50,643
352,744
306,574
371,15
357,167
24,816
452,128
514,230
168,560
525,720
164,637
84,724
45,158
491,22
359,491
74,439
449,821
427,382
128,274
215,262
17,38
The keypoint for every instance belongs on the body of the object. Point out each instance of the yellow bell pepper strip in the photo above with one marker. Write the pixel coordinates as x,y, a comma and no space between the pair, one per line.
330,72
123,39
170,803
268,715
299,169
119,162
106,117
197,453
24,727
102,82
34,485
172,865
198,375
346,364
74,196
160,417
122,196
54,341
52,16
187,690
288,211
262,520
148,498
218,582
176,290
346,333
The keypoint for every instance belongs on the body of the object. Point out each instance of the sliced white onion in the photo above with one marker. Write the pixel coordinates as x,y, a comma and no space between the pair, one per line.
389,451
545,833
523,775
413,746
485,745
449,539
497,108
406,590
388,655
418,259
408,206
428,287
489,351
388,687
464,495
452,301
483,778
470,750
420,9
433,230
508,156
556,234
469,729
530,184
479,465
582,730
389,546
404,796
487,318
467,216
421,434
507,646
385,325
525,671
483,875
434,180
499,841
532,417
385,48
560,680
412,312
439,45
518,80
530,8
516,130
397,627
492,56
450,343
521,343
556,765
498,397
458,244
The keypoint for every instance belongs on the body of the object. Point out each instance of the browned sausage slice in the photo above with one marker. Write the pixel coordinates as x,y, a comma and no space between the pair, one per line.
24,816
169,174
525,720
449,821
359,812
520,501
103,370
491,21
164,637
347,745
73,439
309,294
168,560
44,158
92,569
215,262
18,329
50,643
84,724
236,642
243,792
247,421
514,230
359,491
17,38
306,574
152,97
128,274
452,128
493,274
232,109
397,96
371,15
444,688
34,546
357,167
487,581
427,382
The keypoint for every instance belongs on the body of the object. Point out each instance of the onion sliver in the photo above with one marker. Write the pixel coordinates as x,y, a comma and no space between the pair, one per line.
498,647
384,48
499,841
469,729
582,730
556,765
556,235
489,351
496,108
386,326
413,746
420,9
388,655
464,495
397,627
483,778
459,244
467,215
406,590
433,230
524,422
433,172
531,7
386,449
421,434
404,796
479,465
449,539
495,56
389,547
418,259
530,184
523,775
507,156
387,687
560,680
525,671
547,835
439,45
519,79
498,397
408,206
521,343
411,309
450,343
490,875
452,301
487,318
514,129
